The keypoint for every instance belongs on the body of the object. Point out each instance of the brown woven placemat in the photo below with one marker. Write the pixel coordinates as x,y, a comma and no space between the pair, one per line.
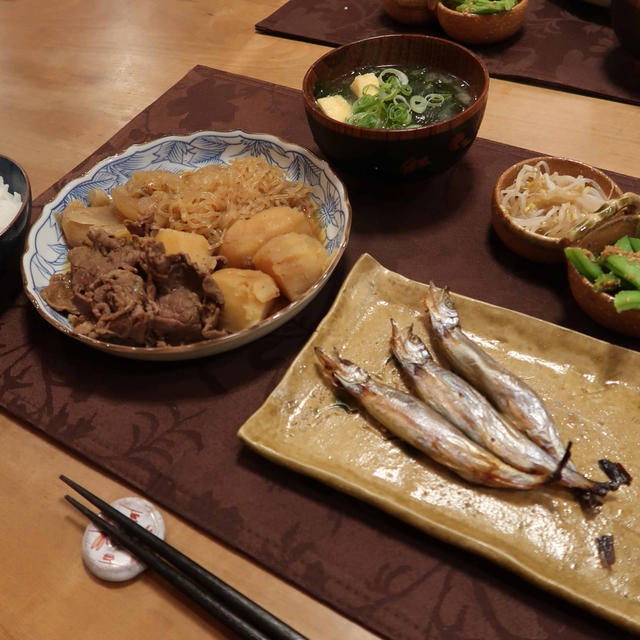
169,429
565,44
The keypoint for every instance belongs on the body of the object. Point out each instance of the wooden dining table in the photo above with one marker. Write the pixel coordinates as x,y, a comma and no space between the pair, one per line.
74,73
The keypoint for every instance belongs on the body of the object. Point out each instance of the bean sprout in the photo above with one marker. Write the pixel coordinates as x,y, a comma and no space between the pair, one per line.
550,203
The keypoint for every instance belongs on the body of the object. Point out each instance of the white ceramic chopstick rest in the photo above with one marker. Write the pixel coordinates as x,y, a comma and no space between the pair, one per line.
110,562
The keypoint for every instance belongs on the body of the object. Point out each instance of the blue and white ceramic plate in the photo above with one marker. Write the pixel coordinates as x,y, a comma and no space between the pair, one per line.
46,250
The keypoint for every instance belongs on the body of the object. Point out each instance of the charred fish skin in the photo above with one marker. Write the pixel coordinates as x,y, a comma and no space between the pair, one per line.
471,412
513,397
414,422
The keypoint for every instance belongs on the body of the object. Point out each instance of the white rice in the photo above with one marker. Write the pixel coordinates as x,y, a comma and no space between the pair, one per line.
10,203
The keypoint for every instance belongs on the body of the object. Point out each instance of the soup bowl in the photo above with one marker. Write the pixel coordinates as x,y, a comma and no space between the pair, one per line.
428,149
13,229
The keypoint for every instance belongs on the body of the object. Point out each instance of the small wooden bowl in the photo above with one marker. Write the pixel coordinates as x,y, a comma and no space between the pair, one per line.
535,246
597,305
473,28
410,11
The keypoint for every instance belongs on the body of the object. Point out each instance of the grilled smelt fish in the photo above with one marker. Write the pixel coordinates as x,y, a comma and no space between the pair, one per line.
416,423
518,402
466,408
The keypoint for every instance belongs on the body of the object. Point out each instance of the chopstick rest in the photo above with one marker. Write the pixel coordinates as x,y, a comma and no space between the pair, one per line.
244,616
112,562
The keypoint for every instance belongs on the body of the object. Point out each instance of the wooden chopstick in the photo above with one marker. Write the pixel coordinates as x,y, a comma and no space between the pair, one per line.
239,613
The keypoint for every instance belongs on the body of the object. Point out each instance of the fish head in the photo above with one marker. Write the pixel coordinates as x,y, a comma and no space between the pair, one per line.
408,347
441,309
341,372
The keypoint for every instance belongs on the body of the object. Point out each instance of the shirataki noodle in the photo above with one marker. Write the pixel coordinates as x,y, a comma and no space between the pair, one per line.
208,200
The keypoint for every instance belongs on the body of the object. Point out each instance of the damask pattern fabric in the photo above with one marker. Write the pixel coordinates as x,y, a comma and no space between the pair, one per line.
169,429
564,44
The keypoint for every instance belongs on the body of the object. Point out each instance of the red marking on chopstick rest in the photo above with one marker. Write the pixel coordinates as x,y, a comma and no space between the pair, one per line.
108,561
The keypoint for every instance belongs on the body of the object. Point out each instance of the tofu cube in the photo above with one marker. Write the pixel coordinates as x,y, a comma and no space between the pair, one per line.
335,107
365,83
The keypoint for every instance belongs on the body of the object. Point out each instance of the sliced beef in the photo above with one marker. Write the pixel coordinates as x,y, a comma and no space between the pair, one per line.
58,294
129,291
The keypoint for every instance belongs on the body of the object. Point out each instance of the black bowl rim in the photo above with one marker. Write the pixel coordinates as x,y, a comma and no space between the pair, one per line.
26,198
396,134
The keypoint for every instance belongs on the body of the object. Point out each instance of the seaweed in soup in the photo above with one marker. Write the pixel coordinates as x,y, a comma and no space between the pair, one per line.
399,97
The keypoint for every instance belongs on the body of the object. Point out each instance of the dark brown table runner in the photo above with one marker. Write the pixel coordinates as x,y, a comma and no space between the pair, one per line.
565,44
169,429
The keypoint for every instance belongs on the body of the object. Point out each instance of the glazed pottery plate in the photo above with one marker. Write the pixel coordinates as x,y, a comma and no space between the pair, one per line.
46,252
591,388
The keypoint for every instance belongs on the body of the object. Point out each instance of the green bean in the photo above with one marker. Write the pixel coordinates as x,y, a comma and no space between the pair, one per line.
583,263
485,6
607,282
624,243
635,244
624,268
626,300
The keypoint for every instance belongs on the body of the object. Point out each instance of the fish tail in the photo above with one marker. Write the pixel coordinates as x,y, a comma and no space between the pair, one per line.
442,312
562,464
616,472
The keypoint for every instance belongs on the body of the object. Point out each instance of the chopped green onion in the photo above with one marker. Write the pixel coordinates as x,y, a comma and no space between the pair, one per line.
399,75
418,104
393,105
436,99
398,114
365,102
388,91
366,119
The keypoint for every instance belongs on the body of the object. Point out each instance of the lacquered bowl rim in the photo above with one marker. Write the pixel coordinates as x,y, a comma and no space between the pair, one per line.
392,135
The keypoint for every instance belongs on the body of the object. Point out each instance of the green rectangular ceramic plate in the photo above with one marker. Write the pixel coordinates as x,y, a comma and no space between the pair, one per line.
591,387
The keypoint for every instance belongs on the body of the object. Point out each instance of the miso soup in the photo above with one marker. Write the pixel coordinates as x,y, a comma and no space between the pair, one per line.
393,97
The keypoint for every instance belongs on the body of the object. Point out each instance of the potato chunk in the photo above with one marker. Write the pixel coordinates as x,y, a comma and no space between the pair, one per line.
249,296
244,237
76,220
192,245
294,260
